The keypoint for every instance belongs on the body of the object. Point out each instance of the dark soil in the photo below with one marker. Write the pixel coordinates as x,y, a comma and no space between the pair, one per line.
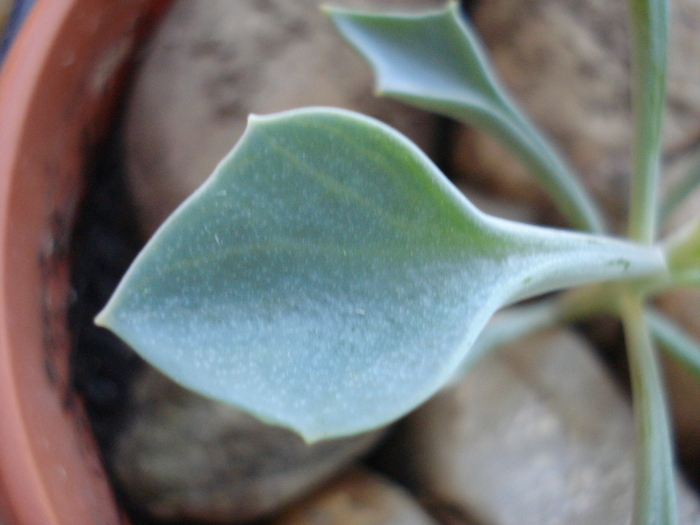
104,244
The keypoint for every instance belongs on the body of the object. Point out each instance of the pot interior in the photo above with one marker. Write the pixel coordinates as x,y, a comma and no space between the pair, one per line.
57,91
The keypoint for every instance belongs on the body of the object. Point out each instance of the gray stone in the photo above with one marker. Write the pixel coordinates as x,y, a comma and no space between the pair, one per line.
536,433
212,63
182,456
359,497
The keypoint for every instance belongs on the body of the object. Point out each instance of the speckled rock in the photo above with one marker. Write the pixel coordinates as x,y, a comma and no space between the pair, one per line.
212,63
536,433
183,456
359,497
567,63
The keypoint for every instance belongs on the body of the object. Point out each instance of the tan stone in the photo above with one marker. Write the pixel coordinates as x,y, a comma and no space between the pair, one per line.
359,497
537,433
182,456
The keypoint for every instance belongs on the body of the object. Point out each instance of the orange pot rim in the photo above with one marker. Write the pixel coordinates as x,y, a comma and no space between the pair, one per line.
58,84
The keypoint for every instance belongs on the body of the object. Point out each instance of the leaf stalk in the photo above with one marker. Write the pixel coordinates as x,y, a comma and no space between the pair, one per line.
655,499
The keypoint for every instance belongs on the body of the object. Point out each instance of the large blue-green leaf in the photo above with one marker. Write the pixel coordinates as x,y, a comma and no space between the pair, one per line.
434,61
329,278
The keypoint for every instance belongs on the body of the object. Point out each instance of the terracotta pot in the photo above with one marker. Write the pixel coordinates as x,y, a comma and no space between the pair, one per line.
57,91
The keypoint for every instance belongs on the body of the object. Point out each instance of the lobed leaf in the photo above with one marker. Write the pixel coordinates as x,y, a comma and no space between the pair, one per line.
329,278
435,61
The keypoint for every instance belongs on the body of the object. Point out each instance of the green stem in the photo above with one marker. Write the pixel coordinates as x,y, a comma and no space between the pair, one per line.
655,500
649,26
